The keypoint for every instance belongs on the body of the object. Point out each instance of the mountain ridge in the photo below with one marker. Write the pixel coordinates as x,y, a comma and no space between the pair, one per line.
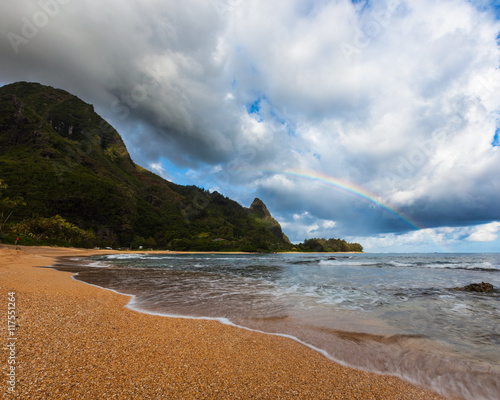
63,159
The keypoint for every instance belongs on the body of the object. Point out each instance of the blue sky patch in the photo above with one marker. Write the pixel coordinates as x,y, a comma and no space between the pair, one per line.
496,138
255,107
488,6
495,5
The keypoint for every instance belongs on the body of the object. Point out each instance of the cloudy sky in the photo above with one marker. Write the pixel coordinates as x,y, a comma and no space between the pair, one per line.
375,121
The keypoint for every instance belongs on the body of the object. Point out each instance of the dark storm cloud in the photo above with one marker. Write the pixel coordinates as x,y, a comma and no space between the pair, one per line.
151,64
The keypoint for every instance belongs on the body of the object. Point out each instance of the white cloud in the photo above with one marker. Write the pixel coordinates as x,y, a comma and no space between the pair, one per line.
158,169
485,233
306,226
443,239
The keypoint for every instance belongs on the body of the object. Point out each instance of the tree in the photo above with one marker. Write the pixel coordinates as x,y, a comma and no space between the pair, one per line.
313,245
55,230
7,206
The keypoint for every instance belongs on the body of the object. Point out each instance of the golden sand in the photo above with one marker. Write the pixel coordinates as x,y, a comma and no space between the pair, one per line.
76,341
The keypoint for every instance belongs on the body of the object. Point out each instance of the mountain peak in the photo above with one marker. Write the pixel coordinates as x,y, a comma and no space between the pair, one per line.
259,209
259,212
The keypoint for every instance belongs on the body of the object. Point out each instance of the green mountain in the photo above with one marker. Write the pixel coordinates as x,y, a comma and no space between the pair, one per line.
64,159
259,212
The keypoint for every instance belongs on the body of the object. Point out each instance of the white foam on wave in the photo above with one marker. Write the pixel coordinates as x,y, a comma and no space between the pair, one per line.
460,308
132,305
225,321
339,263
400,264
91,264
472,266
137,256
124,256
486,265
97,264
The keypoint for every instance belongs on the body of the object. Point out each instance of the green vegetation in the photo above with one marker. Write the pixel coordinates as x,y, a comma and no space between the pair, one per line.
328,245
7,207
66,162
54,230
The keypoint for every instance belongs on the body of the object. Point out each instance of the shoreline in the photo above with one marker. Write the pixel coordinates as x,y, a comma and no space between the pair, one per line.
79,341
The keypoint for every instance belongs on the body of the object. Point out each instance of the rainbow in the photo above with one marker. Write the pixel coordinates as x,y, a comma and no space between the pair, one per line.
358,192
350,189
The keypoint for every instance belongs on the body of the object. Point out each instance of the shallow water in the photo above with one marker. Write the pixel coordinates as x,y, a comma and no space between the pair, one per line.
389,313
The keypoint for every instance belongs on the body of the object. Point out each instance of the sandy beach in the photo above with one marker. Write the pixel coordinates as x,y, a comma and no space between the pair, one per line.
76,341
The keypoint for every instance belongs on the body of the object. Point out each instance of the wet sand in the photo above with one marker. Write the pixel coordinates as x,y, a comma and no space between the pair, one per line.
76,341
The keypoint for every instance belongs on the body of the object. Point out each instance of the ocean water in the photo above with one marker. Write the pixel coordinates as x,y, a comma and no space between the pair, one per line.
389,313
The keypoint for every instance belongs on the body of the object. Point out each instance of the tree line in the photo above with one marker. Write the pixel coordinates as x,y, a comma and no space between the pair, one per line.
39,230
328,245
55,230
